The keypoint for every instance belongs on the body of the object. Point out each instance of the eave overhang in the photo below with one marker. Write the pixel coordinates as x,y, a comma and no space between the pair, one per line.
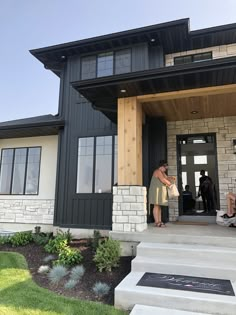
31,129
104,92
173,36
188,76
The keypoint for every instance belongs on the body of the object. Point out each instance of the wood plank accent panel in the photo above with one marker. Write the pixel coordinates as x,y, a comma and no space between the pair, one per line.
129,141
210,102
219,105
213,90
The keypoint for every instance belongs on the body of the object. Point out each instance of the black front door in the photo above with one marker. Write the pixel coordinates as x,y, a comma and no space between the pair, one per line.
196,153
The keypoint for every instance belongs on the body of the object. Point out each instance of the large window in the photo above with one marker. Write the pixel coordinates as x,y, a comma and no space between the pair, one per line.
97,164
19,171
193,58
106,64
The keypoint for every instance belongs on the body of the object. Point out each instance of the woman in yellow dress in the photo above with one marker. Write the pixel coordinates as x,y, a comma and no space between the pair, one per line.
158,191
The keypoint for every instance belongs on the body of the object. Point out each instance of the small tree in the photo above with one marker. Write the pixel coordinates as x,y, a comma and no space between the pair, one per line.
107,255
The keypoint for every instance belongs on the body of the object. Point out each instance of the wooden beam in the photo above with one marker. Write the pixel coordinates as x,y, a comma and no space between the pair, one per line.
207,91
129,141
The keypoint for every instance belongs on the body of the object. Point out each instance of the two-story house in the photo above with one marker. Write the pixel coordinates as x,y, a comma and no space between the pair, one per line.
126,101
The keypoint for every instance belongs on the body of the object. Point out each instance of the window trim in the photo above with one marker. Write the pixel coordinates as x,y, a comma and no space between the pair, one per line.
192,56
26,169
114,61
94,164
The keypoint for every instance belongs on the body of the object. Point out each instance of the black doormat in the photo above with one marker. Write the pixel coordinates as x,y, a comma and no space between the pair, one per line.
186,283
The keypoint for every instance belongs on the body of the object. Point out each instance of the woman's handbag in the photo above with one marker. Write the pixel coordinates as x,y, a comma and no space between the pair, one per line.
173,191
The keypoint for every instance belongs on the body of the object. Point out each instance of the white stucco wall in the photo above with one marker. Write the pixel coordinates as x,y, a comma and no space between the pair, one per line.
217,52
225,129
33,209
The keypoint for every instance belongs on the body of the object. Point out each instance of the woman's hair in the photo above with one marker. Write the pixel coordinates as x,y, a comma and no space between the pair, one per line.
163,163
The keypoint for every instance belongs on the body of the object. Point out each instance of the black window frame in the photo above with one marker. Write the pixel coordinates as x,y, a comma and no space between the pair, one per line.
192,56
94,163
113,63
114,52
25,171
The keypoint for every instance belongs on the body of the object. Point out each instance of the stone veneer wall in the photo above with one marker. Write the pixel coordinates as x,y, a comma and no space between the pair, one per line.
225,129
129,209
34,211
217,52
16,210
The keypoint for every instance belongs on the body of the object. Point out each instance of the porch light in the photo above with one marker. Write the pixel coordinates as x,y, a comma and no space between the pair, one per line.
123,91
234,146
153,40
194,112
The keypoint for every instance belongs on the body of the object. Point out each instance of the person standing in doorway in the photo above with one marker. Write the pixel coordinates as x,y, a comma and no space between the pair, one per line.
207,192
158,191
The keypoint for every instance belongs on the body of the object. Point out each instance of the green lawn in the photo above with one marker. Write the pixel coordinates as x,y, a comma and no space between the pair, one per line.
19,295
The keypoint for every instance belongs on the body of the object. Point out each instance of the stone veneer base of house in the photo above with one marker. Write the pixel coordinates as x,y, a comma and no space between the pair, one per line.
27,211
129,209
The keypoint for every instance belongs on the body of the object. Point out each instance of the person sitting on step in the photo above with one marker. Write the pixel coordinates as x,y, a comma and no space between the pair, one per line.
230,216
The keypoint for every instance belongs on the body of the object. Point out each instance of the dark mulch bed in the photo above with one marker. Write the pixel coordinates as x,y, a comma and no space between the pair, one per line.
35,254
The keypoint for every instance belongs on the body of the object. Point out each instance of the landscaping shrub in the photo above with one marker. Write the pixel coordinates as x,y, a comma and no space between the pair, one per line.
21,239
95,240
55,245
101,289
69,256
57,273
59,242
70,284
77,273
107,255
41,238
4,240
49,258
67,235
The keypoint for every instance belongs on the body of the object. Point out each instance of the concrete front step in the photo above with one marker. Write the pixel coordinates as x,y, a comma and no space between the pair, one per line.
181,267
152,310
127,294
187,253
210,235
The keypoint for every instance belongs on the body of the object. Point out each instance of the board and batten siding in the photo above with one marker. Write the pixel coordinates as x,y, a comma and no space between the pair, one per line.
33,209
75,210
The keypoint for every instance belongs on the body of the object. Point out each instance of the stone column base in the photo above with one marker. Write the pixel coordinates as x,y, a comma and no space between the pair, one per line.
129,209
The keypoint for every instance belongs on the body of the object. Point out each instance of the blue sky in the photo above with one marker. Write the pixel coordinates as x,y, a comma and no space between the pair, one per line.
27,89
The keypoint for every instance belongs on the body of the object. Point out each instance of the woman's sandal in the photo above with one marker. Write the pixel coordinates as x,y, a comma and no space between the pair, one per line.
160,224
163,224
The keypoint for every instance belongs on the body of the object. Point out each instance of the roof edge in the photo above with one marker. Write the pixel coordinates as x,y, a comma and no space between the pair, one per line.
59,123
95,39
213,29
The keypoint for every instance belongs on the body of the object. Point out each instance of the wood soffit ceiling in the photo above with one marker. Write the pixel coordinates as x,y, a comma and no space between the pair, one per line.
206,106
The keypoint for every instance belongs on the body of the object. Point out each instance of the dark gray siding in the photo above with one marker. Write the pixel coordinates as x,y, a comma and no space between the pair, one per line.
156,57
140,57
81,120
72,209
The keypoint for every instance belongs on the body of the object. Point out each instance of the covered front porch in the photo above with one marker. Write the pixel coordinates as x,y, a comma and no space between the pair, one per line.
209,110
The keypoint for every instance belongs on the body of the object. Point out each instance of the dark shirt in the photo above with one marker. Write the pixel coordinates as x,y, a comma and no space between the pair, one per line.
205,184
